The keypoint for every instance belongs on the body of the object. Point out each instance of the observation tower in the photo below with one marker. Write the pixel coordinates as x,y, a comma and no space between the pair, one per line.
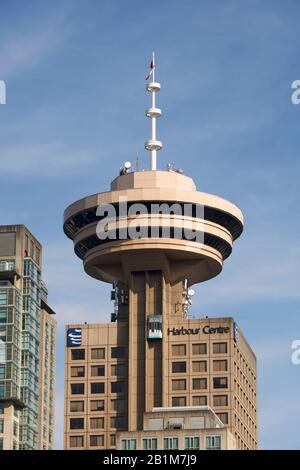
153,271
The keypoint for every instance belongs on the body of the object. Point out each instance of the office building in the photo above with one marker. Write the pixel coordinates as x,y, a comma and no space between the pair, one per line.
153,372
27,345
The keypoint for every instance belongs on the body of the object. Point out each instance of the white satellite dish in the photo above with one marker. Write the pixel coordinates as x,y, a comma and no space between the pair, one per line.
127,165
191,292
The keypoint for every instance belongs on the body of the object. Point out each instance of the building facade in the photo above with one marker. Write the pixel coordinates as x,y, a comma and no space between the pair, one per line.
24,317
154,236
207,365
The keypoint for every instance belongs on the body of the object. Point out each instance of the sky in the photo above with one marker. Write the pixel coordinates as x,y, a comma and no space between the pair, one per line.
75,112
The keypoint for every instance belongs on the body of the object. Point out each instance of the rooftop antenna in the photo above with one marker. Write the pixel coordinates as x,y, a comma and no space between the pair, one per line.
153,145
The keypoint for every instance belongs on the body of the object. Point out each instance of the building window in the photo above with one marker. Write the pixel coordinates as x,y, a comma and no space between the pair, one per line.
118,387
16,429
1,443
76,441
1,408
98,353
97,405
179,349
200,400
118,353
199,348
213,442
78,354
128,444
223,417
76,406
112,439
97,387
199,384
170,443
149,443
220,400
178,401
97,441
220,382
96,423
219,366
199,366
1,425
76,423
178,384
178,367
220,348
119,369
191,442
77,371
118,422
77,389
118,405
98,371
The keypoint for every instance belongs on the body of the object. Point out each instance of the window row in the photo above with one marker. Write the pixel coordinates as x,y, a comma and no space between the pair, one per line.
172,443
199,383
199,349
118,422
218,400
117,352
99,370
98,405
199,366
98,388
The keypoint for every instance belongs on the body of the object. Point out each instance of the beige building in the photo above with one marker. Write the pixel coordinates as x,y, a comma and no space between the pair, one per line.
203,364
154,236
27,340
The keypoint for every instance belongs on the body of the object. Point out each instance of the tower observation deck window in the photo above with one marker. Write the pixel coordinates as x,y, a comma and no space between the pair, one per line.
154,327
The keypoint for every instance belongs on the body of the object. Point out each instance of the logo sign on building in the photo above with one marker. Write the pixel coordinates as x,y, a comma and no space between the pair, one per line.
235,332
74,336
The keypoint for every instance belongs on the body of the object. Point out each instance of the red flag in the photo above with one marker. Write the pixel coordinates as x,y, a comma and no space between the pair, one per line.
151,69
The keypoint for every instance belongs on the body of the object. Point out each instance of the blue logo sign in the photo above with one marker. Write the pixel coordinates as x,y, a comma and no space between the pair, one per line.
235,332
74,336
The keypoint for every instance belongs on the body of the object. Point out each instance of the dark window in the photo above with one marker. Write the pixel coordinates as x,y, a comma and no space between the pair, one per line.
118,369
77,371
98,371
220,348
97,405
200,400
77,389
118,422
220,382
200,348
97,441
178,401
199,384
118,353
97,387
178,367
118,387
76,423
76,406
98,353
78,354
76,441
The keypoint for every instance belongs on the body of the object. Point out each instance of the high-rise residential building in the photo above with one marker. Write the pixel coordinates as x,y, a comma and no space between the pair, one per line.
155,377
27,344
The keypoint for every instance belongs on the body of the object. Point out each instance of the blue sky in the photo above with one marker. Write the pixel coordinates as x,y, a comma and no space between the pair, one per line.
74,72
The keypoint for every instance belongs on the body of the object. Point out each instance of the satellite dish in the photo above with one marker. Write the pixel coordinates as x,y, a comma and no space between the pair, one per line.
127,165
191,292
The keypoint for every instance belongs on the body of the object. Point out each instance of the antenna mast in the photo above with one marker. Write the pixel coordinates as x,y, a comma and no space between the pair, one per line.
153,145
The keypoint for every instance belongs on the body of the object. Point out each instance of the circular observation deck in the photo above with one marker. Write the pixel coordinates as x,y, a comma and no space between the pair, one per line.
153,220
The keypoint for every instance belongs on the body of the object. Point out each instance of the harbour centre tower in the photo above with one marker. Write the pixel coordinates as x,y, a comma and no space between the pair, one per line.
153,377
